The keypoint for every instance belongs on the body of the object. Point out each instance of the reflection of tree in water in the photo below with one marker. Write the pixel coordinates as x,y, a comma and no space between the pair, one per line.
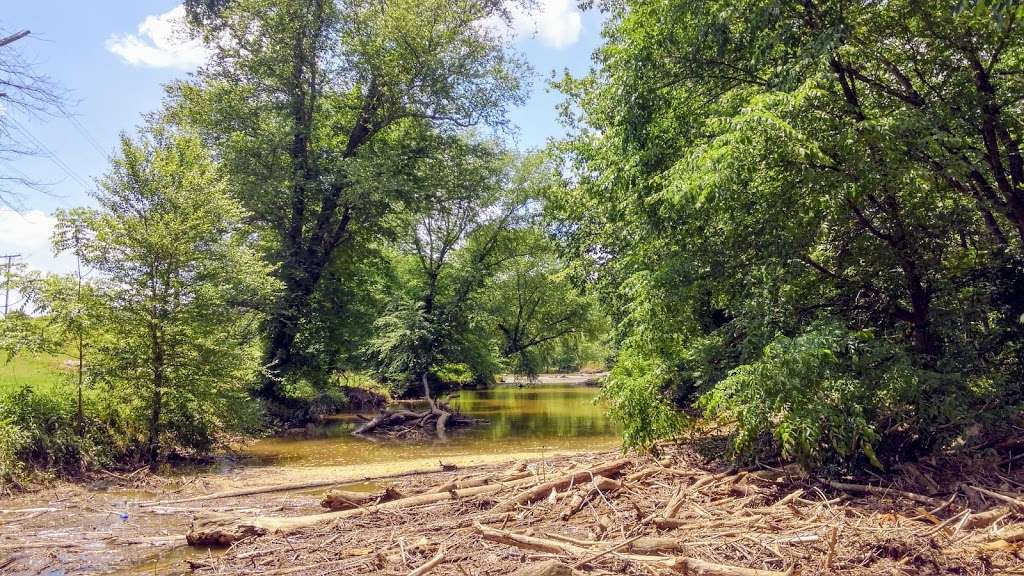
536,412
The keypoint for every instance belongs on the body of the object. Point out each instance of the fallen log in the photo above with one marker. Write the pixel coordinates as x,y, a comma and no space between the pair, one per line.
462,483
587,492
882,491
223,530
701,568
986,518
547,568
346,499
387,417
674,504
442,421
541,491
682,564
286,487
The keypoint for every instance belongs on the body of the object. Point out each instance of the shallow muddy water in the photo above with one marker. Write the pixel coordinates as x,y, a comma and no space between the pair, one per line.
537,418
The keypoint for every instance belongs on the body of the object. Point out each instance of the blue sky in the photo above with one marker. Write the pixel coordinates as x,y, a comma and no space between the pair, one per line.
112,58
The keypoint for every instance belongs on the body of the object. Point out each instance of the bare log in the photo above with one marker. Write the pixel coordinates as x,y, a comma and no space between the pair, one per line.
286,487
986,518
387,418
1016,503
442,421
547,568
882,491
346,499
701,568
462,483
372,424
674,504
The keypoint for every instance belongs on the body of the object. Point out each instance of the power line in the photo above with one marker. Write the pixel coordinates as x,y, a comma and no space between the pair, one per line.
50,154
84,132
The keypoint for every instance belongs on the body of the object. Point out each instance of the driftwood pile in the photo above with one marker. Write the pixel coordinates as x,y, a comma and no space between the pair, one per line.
603,514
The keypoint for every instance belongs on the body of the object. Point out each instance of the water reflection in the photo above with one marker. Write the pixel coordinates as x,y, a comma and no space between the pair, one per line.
537,418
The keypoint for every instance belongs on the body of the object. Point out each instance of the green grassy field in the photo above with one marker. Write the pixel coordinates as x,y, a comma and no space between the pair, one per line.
43,372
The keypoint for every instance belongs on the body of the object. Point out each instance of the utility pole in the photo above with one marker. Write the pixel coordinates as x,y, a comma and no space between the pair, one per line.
13,38
7,283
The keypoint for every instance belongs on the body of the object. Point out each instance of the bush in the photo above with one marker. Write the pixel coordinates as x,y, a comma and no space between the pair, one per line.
39,432
636,393
12,441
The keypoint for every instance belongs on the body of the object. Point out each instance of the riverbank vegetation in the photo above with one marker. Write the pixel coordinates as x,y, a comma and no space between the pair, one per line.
799,222
805,219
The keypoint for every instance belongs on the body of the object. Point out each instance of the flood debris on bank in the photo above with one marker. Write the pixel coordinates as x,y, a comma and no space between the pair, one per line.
604,514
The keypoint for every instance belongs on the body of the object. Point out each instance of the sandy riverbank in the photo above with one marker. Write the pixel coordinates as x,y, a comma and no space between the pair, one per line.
596,511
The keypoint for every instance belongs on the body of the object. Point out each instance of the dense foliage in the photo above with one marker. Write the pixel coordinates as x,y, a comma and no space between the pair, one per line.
323,121
807,219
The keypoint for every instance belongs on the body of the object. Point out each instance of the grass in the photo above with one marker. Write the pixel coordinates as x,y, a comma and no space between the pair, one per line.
41,372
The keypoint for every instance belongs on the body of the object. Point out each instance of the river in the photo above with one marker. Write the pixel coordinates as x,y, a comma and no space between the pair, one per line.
532,419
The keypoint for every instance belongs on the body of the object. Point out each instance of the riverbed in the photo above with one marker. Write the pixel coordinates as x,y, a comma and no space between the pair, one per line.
101,528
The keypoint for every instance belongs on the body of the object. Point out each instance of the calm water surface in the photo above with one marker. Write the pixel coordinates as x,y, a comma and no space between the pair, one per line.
537,418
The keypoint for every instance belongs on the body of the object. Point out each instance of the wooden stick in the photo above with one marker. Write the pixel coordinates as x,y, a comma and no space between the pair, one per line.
1017,504
881,491
429,564
702,568
615,548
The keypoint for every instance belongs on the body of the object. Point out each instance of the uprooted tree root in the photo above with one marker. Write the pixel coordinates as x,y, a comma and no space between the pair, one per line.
600,514
434,421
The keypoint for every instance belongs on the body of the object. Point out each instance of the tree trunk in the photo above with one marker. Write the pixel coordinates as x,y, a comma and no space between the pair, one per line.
300,276
80,416
153,444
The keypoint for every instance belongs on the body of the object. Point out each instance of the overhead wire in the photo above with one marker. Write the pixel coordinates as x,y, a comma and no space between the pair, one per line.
49,154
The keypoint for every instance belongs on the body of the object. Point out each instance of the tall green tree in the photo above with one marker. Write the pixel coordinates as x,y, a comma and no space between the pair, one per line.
806,214
180,289
320,116
452,247
536,309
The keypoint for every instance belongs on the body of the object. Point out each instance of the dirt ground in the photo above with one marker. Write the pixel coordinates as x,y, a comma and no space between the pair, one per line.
640,515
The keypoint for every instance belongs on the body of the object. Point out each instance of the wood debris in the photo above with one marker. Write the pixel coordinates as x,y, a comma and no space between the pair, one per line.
601,514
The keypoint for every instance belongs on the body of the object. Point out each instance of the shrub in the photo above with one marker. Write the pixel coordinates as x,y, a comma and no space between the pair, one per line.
41,431
12,441
636,393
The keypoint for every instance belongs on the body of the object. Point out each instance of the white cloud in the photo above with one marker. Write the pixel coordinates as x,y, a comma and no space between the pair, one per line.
557,23
28,234
162,42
